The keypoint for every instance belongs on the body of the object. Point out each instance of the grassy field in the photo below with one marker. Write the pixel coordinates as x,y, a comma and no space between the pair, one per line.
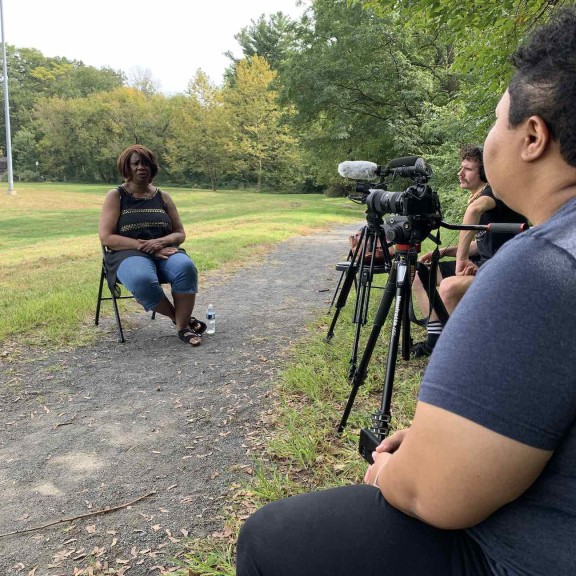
50,253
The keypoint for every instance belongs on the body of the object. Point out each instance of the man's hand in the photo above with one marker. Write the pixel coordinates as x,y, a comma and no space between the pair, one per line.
466,268
426,258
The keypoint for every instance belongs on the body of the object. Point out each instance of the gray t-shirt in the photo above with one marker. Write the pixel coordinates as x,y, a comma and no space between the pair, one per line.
507,361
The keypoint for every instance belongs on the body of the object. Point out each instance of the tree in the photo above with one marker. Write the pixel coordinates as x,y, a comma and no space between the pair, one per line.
198,144
363,85
261,140
32,77
80,139
482,37
25,155
142,79
270,39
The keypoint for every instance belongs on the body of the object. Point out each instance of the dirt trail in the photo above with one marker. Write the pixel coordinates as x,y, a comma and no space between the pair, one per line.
104,425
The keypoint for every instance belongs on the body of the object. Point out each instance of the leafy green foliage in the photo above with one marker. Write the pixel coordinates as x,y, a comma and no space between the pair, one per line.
261,143
270,39
482,36
360,84
197,148
33,76
79,139
355,79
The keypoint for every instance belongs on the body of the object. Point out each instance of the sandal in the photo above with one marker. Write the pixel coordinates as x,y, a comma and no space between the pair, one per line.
190,337
197,325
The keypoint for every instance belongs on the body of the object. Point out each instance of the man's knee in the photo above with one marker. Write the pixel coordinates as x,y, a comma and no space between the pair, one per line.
452,289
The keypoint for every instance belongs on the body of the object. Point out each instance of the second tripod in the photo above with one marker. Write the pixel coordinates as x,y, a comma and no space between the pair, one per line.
360,271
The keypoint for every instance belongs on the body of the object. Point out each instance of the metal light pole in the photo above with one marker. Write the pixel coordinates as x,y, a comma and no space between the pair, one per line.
6,108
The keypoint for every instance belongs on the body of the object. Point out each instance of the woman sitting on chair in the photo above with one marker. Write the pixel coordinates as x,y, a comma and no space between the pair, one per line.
142,231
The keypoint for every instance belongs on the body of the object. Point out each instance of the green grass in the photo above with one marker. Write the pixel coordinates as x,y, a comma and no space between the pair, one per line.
50,253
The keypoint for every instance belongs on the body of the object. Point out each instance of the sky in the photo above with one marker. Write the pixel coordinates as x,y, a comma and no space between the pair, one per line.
170,38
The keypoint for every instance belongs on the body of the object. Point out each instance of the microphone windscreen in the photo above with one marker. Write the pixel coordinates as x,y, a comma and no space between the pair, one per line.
358,170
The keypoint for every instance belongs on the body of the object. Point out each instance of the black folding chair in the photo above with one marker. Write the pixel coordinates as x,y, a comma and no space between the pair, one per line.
115,295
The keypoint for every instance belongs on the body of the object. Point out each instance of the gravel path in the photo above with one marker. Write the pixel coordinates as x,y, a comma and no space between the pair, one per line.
105,425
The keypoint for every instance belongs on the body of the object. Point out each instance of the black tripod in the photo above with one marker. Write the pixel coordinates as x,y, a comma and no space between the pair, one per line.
362,265
398,289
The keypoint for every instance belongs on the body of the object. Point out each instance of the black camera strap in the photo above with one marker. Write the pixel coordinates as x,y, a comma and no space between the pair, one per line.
429,283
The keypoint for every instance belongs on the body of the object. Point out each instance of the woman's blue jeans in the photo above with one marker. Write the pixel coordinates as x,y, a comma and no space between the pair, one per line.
143,277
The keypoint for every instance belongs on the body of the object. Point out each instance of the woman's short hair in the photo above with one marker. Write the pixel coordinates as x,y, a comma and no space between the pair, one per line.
123,162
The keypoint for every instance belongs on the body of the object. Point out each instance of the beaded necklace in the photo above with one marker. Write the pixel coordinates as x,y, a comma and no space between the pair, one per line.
476,195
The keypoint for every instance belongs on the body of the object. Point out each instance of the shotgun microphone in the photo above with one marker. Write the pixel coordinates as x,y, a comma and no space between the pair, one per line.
405,167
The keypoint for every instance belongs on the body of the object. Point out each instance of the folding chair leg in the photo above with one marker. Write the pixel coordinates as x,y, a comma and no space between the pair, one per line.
118,321
114,297
99,301
114,304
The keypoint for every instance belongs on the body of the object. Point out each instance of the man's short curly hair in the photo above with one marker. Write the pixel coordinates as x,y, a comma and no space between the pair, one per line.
544,84
146,155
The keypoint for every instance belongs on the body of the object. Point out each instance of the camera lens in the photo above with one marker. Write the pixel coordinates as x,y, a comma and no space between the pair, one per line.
386,202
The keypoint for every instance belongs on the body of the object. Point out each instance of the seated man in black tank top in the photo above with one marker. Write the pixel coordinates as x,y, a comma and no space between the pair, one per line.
474,248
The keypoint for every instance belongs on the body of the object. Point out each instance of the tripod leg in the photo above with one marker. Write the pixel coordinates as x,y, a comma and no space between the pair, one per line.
437,304
360,313
349,279
350,275
360,374
411,262
369,439
365,278
342,274
402,299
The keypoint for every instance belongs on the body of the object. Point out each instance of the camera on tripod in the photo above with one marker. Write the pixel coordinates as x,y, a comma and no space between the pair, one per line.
416,210
404,219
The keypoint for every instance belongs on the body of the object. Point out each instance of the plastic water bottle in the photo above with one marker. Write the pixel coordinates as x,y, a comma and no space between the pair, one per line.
211,319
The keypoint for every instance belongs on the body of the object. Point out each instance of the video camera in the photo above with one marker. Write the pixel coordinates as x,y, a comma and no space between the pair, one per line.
417,208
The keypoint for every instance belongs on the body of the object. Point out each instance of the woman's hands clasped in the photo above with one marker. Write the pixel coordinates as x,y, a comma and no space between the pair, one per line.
151,246
157,248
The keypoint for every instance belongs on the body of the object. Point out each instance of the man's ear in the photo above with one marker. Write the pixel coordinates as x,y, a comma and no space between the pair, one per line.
536,139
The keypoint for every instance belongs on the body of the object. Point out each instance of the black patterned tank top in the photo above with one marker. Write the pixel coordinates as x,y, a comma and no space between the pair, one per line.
143,218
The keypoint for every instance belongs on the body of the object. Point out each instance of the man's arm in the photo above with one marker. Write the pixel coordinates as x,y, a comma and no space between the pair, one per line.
471,217
453,473
490,416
